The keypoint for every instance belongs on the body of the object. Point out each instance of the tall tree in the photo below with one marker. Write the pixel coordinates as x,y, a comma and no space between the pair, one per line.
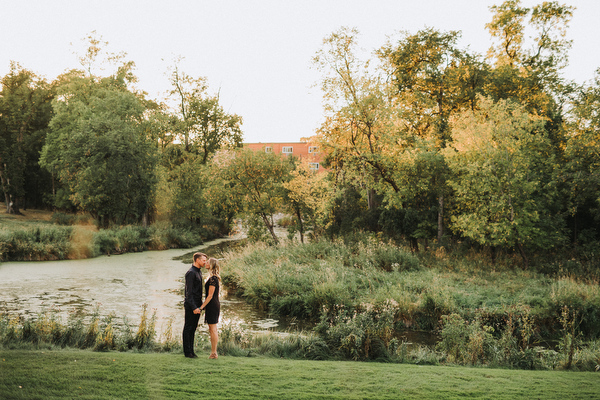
256,179
583,161
25,111
201,121
504,178
433,79
98,150
308,195
529,71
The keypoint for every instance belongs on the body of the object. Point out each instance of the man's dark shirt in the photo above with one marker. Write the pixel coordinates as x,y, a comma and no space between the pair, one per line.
193,288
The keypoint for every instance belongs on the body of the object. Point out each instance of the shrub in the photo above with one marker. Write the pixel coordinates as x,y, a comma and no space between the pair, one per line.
61,218
45,242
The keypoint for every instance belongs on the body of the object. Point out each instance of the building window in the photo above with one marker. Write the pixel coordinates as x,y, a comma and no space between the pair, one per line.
268,149
287,149
314,166
312,149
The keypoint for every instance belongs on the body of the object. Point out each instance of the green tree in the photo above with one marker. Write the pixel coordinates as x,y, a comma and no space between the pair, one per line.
583,160
189,181
432,80
200,120
504,178
25,111
308,196
97,148
256,180
529,71
376,124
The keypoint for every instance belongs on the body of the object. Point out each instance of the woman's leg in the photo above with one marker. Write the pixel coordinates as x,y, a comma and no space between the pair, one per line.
214,339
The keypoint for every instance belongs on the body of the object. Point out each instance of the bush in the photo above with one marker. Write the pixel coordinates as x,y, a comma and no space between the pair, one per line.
45,242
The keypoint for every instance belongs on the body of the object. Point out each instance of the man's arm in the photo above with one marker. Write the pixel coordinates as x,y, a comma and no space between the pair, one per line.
189,299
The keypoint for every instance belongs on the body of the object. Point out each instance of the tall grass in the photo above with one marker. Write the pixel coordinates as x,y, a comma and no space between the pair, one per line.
48,329
364,294
45,242
57,242
359,336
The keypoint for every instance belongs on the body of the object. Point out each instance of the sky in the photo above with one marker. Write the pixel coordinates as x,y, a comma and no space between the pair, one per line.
256,53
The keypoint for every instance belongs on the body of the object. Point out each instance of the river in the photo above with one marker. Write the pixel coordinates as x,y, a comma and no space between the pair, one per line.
119,284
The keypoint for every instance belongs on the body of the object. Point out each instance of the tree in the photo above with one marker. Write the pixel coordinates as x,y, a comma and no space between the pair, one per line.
256,180
200,120
504,178
583,160
529,71
25,111
433,79
377,123
97,148
189,182
308,196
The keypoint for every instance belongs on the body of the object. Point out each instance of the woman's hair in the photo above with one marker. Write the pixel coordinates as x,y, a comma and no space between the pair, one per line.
214,268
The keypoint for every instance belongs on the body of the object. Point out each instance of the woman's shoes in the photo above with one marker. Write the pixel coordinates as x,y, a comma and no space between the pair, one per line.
214,356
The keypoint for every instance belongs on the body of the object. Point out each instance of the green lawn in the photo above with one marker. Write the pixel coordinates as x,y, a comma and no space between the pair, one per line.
81,374
29,219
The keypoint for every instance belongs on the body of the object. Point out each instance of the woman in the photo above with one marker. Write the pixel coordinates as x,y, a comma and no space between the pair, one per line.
211,304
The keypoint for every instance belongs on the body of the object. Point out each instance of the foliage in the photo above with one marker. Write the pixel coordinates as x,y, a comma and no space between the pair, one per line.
308,194
256,180
200,121
50,242
361,292
583,163
25,112
97,149
503,178
40,243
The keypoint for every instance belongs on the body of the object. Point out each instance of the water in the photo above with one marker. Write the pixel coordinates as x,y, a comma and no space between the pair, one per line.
120,284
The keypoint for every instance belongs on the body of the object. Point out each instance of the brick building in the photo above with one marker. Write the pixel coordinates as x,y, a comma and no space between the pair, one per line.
303,150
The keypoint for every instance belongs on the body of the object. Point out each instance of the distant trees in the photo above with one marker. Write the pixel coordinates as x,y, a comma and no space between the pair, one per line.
25,111
97,149
256,180
453,144
504,179
426,142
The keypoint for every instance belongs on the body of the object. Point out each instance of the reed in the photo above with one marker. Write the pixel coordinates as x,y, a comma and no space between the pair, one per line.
362,295
44,242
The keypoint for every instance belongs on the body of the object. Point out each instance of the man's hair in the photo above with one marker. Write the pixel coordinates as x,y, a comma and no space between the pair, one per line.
198,255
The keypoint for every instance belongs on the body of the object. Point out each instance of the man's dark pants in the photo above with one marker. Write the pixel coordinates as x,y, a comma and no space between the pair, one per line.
189,330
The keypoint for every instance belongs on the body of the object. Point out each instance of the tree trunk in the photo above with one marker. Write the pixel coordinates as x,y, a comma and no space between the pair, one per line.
13,206
301,225
440,232
4,189
523,255
269,226
414,245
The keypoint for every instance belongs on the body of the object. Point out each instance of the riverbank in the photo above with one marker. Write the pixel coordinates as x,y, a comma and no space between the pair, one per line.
59,374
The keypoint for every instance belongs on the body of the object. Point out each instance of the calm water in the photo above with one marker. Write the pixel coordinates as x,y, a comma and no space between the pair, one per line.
119,284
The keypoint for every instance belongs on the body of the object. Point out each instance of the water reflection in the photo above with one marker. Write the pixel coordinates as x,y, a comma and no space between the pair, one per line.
115,284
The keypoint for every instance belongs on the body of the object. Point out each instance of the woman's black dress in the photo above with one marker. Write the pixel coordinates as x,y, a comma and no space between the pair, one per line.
213,308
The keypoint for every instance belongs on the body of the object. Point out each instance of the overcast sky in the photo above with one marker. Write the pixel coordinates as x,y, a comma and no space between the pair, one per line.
256,52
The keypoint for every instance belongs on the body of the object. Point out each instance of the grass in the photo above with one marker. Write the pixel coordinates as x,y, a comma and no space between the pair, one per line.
43,235
29,219
60,374
363,295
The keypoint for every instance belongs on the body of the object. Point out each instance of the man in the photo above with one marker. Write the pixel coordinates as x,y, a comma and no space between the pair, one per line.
192,303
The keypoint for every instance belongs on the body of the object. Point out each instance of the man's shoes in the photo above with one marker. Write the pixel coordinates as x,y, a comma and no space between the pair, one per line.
191,356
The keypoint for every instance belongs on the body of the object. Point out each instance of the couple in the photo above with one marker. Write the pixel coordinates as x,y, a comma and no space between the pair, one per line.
194,306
